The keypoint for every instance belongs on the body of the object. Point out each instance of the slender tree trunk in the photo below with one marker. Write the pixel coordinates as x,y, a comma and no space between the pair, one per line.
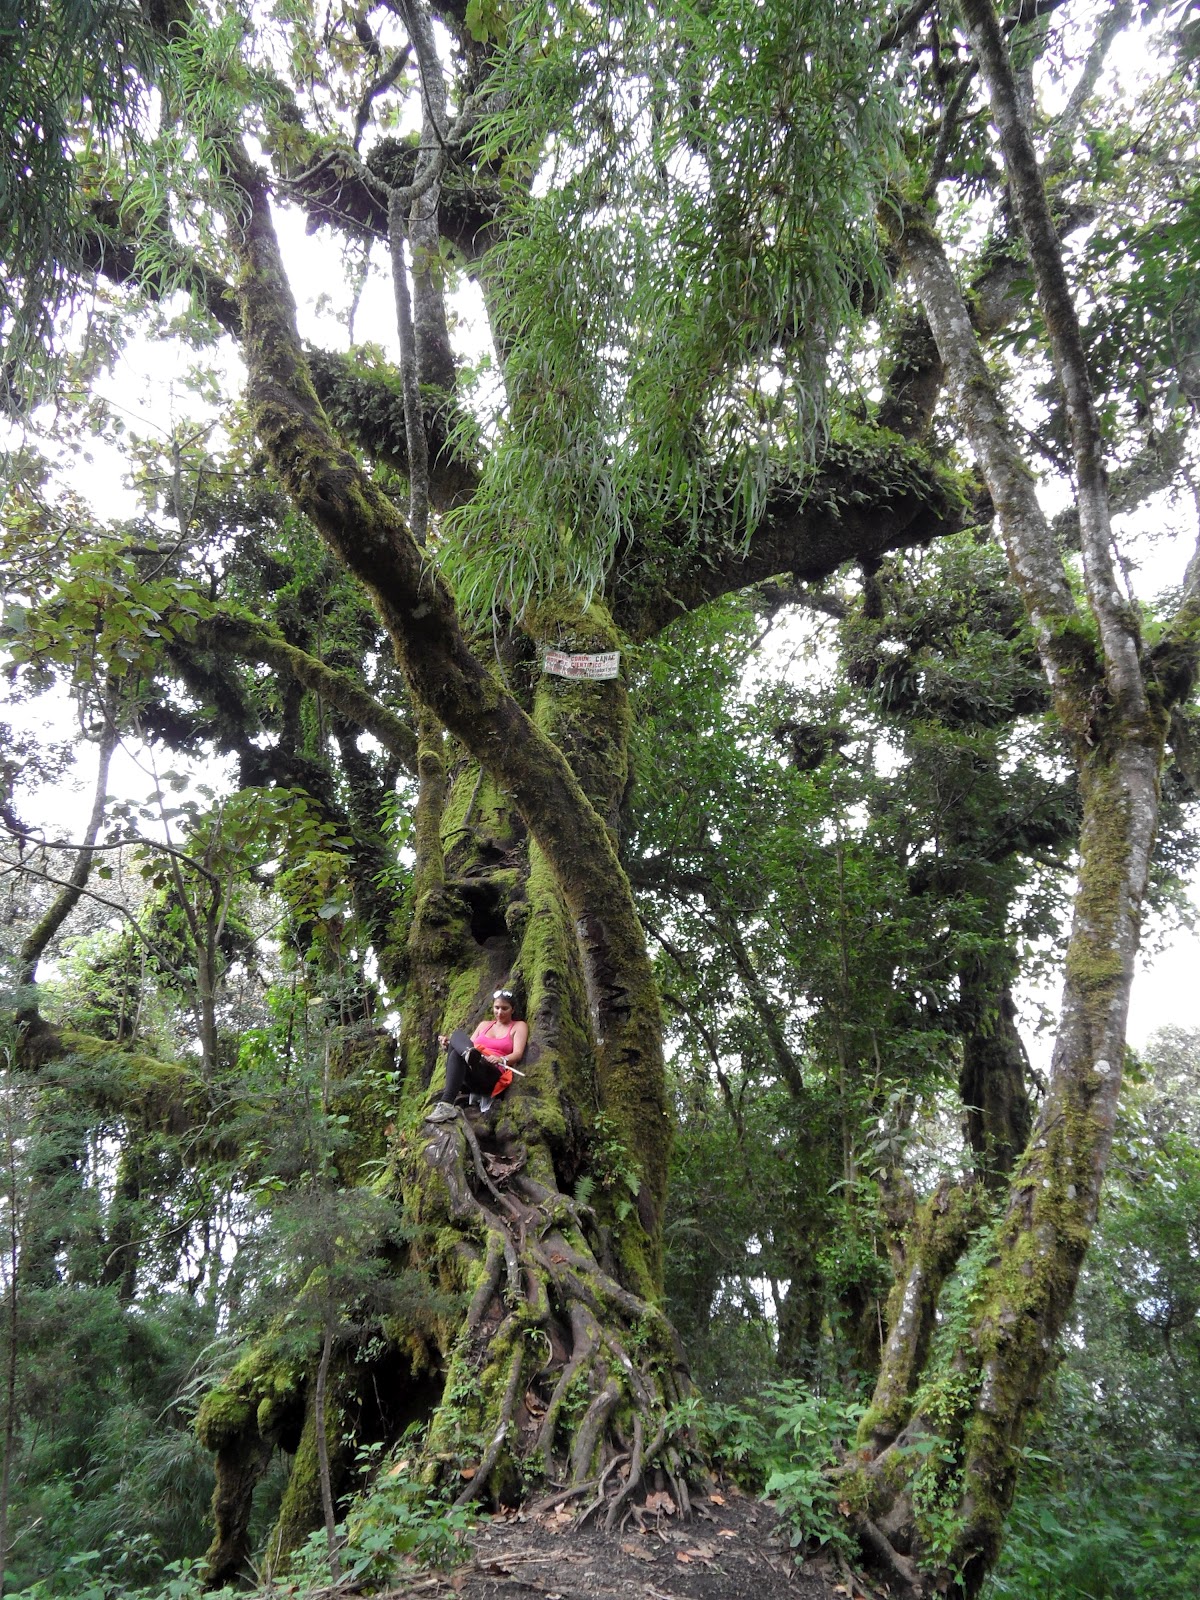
35,945
13,1330
121,1261
993,1082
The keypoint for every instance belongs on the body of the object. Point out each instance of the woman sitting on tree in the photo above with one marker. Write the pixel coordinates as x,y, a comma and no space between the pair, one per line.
485,1066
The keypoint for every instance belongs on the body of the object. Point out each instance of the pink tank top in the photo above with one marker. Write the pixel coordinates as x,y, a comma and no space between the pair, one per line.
492,1042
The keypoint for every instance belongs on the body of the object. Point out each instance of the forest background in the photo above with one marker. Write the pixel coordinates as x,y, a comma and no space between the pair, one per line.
777,314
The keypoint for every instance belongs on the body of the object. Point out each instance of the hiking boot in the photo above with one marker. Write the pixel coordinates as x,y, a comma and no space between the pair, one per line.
442,1112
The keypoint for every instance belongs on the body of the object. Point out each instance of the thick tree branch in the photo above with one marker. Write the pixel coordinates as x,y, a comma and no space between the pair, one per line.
109,250
367,407
859,503
338,688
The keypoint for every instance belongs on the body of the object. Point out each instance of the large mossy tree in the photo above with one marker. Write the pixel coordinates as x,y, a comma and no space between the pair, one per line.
687,231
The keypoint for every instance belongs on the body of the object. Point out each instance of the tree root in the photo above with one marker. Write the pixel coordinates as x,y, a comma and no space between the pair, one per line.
881,1549
600,1485
486,1467
616,1364
483,1296
561,1496
592,1428
633,1478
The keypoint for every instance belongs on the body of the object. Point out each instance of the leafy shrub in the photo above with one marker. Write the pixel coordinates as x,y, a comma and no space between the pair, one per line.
396,1516
94,1575
1131,1533
782,1443
810,1430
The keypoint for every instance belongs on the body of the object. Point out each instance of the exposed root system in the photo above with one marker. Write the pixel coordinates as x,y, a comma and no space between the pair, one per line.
563,1375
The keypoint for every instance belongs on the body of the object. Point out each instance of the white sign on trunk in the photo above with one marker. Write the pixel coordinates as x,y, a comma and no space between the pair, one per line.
564,665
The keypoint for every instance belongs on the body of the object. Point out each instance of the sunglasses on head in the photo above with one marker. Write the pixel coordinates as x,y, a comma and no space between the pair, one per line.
502,994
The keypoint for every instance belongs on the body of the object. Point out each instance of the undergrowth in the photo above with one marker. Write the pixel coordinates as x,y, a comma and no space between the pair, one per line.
395,1522
781,1444
1129,1532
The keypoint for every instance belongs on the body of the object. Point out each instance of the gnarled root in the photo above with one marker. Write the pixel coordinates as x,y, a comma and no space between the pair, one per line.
558,1372
897,1568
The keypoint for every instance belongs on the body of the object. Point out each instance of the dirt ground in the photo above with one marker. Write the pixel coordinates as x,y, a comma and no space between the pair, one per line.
732,1548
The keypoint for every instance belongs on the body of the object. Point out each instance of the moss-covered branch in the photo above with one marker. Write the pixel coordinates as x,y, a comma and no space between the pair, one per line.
865,496
339,689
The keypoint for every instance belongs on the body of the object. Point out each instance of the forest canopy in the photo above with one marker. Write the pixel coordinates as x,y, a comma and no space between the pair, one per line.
373,372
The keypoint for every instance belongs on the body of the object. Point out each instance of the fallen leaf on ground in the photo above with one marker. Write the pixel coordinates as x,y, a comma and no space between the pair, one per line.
499,1168
726,1533
717,1499
661,1501
682,1555
639,1552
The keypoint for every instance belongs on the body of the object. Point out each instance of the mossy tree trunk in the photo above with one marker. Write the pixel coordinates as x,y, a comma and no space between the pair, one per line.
934,1475
542,1220
558,1369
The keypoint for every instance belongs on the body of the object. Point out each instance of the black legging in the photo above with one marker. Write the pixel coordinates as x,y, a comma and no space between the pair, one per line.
461,1076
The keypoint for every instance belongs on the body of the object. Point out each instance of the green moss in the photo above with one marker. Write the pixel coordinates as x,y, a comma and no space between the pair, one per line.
588,721
140,1073
300,1509
476,807
362,1088
895,466
936,1239
564,1066
261,1386
1094,963
224,1414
